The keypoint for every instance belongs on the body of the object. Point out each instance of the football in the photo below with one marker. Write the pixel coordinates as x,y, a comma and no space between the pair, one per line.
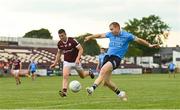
75,86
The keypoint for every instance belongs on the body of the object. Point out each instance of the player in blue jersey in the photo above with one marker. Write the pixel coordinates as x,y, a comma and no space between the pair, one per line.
32,69
171,68
118,46
101,59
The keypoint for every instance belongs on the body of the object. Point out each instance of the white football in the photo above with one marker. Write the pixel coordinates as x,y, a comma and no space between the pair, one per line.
75,86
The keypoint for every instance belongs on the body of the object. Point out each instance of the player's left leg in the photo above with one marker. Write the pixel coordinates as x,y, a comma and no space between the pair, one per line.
111,85
17,76
108,82
174,73
82,73
33,75
14,75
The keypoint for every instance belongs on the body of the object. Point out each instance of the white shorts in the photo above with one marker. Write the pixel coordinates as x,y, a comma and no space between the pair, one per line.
72,66
15,72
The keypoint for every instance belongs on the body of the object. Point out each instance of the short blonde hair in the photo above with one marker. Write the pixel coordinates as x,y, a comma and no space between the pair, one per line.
116,24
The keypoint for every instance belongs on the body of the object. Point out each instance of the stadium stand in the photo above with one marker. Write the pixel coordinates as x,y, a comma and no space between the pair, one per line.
43,52
43,56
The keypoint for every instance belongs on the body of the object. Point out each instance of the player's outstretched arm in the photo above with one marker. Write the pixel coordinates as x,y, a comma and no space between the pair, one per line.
58,55
95,36
144,42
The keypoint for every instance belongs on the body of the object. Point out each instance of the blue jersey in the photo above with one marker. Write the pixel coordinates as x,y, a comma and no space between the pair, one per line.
33,67
101,59
118,45
171,66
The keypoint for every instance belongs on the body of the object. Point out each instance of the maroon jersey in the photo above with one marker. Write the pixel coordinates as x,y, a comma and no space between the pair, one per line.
69,49
16,64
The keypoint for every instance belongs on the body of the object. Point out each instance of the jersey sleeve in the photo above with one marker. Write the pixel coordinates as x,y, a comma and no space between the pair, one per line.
131,37
59,45
108,34
75,42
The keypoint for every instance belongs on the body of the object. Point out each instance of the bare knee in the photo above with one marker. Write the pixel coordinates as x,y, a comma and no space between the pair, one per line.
81,74
16,76
102,72
65,76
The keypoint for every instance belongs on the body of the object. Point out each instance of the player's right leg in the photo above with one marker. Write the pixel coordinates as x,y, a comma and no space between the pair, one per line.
170,72
66,72
103,72
174,73
18,76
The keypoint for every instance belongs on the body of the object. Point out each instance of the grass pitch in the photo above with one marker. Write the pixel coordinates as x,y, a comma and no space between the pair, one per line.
156,91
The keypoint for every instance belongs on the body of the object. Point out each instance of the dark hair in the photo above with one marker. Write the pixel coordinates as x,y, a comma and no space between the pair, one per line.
61,31
116,24
103,48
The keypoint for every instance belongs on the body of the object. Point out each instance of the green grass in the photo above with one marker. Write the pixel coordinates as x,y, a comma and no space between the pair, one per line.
144,91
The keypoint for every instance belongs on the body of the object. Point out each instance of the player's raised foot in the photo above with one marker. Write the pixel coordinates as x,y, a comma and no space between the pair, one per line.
62,94
123,96
91,74
89,90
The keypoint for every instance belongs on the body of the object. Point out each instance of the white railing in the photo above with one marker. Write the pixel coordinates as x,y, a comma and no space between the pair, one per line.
9,39
31,42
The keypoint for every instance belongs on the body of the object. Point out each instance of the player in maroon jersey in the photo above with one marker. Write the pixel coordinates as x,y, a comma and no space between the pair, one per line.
16,69
72,51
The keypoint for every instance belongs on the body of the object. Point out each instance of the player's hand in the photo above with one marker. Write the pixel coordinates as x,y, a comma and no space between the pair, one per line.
87,38
154,46
52,66
77,61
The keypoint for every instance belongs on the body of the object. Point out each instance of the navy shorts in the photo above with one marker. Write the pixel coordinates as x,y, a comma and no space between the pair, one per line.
171,71
115,60
32,72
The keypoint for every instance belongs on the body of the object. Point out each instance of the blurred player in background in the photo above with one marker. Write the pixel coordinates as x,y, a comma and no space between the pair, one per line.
16,69
72,51
101,58
118,46
32,69
171,68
